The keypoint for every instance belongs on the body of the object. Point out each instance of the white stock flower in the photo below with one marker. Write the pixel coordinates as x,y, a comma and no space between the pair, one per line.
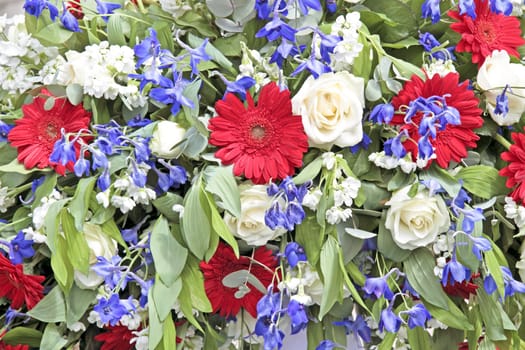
124,203
164,139
416,221
335,215
439,67
100,244
312,198
331,108
251,226
497,72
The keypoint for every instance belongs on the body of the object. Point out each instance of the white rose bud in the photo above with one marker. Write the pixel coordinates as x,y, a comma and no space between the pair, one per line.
331,108
164,139
100,244
250,226
497,72
417,221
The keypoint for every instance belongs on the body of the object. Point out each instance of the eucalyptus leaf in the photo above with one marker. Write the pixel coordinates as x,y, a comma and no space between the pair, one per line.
52,308
361,234
75,92
52,338
309,172
168,254
242,277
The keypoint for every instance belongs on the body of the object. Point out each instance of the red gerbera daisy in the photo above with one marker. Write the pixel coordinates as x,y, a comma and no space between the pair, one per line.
515,171
4,346
452,142
19,287
37,131
488,32
223,299
116,337
263,142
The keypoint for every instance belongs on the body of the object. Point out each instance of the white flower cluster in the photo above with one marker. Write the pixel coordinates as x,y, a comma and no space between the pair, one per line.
515,212
19,53
259,68
102,70
439,67
349,48
126,196
5,200
175,7
381,160
442,247
345,191
40,212
304,285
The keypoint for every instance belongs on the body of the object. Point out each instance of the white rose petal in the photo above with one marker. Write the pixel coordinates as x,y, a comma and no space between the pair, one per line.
497,72
331,108
250,226
417,221
164,139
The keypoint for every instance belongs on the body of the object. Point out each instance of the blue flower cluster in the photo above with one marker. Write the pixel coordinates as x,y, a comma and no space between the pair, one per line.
286,210
430,8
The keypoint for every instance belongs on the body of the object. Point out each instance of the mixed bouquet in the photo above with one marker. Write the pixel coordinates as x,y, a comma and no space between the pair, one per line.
262,174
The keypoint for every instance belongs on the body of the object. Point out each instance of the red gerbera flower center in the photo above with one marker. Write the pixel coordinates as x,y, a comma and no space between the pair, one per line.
260,130
487,30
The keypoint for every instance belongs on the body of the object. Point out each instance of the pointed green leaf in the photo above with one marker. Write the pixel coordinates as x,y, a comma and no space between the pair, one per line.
332,276
483,181
52,308
78,251
52,338
168,254
196,228
165,297
221,182
80,202
23,335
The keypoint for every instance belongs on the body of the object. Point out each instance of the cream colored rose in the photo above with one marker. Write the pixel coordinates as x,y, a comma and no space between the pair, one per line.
100,244
331,108
497,72
520,265
164,139
250,226
417,221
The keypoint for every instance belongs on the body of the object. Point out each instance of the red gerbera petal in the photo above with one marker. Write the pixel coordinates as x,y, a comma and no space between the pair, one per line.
18,287
263,142
223,263
75,8
515,171
116,337
4,346
488,32
37,131
452,142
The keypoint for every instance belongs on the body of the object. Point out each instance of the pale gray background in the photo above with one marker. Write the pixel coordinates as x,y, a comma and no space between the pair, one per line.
11,7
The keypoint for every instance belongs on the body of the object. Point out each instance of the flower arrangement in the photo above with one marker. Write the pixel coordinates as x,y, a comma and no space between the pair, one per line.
262,174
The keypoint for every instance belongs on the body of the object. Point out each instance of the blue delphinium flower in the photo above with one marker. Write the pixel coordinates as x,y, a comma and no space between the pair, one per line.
239,86
111,271
294,253
276,29
81,166
382,113
177,174
430,8
268,314
4,130
297,313
138,121
501,6
417,316
467,7
429,42
394,146
196,55
131,235
489,284
138,175
502,103
99,159
35,8
63,151
389,321
106,8
357,327
379,287
110,310
171,92
327,344
20,248
511,285
331,5
69,21
304,5
148,49
285,49
104,181
263,9
312,65
454,272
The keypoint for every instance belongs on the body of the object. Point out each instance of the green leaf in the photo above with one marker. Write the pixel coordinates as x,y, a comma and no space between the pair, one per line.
44,189
23,335
308,235
165,297
168,254
402,44
483,181
447,181
332,276
156,331
309,172
219,226
314,334
51,223
212,51
491,316
453,317
111,229
75,92
116,28
165,204
77,303
349,284
221,182
52,338
464,250
419,339
387,246
52,308
192,276
79,205
419,268
241,277
53,34
78,251
196,228
16,167
169,338
61,265
388,341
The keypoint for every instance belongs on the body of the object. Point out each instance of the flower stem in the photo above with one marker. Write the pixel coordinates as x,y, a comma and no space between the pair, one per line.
502,141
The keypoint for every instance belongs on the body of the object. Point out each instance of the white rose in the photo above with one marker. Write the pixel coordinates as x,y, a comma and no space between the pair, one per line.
331,108
166,135
100,244
520,265
417,221
497,72
250,226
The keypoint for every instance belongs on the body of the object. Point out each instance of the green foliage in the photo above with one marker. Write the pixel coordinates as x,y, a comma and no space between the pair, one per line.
332,275
52,308
196,228
482,181
23,335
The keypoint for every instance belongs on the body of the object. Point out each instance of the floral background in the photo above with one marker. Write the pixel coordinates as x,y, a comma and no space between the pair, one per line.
231,174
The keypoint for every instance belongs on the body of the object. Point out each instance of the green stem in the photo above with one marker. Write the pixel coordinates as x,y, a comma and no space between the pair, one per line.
502,141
